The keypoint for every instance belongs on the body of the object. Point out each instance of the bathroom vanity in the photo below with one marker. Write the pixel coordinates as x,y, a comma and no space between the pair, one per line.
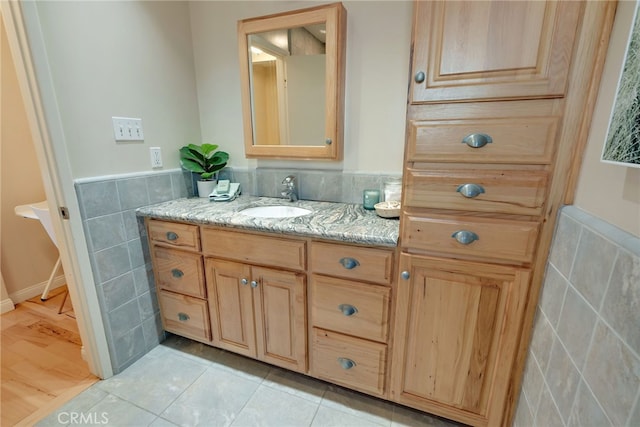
434,311
311,293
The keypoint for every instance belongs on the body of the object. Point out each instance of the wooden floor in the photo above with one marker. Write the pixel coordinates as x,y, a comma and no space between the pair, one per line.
40,357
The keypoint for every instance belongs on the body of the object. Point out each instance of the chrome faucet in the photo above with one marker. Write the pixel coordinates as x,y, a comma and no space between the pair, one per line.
289,188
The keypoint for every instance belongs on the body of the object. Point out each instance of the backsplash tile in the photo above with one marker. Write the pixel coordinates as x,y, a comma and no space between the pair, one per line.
592,376
133,192
592,267
576,326
553,294
613,373
565,240
621,308
98,198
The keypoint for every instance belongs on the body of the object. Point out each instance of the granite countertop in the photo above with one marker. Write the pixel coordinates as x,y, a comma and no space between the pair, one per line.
343,222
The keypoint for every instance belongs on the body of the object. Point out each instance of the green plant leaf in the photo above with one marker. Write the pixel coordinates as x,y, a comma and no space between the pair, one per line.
192,166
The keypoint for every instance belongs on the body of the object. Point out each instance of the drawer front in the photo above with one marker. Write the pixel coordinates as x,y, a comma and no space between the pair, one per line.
349,361
521,140
351,308
263,250
496,238
510,192
185,315
351,262
179,271
180,235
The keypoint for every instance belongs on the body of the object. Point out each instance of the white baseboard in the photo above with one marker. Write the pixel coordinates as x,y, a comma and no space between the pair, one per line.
35,290
6,305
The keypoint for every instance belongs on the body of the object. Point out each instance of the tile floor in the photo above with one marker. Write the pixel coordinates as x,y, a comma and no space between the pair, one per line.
182,382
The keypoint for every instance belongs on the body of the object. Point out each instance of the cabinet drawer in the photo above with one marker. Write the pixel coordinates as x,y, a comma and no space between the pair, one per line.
175,234
185,315
349,361
351,262
179,271
351,308
527,140
510,192
265,250
497,239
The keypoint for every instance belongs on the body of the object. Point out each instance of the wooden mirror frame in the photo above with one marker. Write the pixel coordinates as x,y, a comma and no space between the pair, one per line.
335,17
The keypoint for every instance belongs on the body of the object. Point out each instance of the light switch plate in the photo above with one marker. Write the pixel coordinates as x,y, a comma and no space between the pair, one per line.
127,129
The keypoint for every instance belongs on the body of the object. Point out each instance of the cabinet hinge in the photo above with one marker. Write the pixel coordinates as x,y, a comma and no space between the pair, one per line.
64,212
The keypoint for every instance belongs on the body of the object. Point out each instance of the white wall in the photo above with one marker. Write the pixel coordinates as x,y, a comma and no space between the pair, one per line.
378,44
610,192
121,58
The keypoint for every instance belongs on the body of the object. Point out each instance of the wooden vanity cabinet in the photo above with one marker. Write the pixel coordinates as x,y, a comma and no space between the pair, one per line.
471,50
350,300
256,310
180,279
499,107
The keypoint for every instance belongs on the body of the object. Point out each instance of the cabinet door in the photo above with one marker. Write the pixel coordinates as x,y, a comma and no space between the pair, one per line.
456,328
231,306
471,50
281,317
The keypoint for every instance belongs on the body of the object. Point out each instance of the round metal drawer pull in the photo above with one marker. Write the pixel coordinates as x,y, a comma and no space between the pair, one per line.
183,317
419,77
349,263
254,284
177,273
470,190
465,237
347,309
346,363
328,141
477,140
171,235
405,275
244,281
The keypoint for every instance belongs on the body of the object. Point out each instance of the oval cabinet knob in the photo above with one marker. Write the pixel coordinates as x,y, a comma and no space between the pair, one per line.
420,77
347,309
177,273
477,140
465,237
183,317
328,141
172,236
254,284
349,263
244,281
470,190
346,363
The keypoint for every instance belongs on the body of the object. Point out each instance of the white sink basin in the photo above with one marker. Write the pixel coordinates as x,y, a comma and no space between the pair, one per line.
275,211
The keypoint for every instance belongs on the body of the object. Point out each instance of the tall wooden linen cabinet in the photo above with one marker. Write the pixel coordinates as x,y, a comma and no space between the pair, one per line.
499,108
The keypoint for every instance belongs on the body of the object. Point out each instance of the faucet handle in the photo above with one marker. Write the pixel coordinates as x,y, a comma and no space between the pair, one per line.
289,179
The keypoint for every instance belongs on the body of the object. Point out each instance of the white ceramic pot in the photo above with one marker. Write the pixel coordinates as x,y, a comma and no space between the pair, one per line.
206,187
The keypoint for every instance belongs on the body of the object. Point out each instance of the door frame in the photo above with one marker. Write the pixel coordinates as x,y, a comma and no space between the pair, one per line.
27,45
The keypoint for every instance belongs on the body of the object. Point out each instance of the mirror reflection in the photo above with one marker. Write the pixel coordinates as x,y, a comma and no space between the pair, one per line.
292,82
288,85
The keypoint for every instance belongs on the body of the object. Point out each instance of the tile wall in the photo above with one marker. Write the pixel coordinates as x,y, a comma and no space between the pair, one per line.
117,242
583,367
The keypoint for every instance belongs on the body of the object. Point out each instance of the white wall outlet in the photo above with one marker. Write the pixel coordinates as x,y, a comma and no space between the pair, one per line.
127,129
156,157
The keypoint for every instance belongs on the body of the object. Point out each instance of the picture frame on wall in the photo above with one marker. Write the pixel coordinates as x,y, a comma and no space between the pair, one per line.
622,145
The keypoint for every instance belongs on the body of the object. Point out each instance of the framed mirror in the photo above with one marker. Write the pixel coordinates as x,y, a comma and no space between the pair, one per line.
292,78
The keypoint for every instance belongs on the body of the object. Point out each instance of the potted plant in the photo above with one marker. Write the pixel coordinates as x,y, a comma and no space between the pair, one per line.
206,161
